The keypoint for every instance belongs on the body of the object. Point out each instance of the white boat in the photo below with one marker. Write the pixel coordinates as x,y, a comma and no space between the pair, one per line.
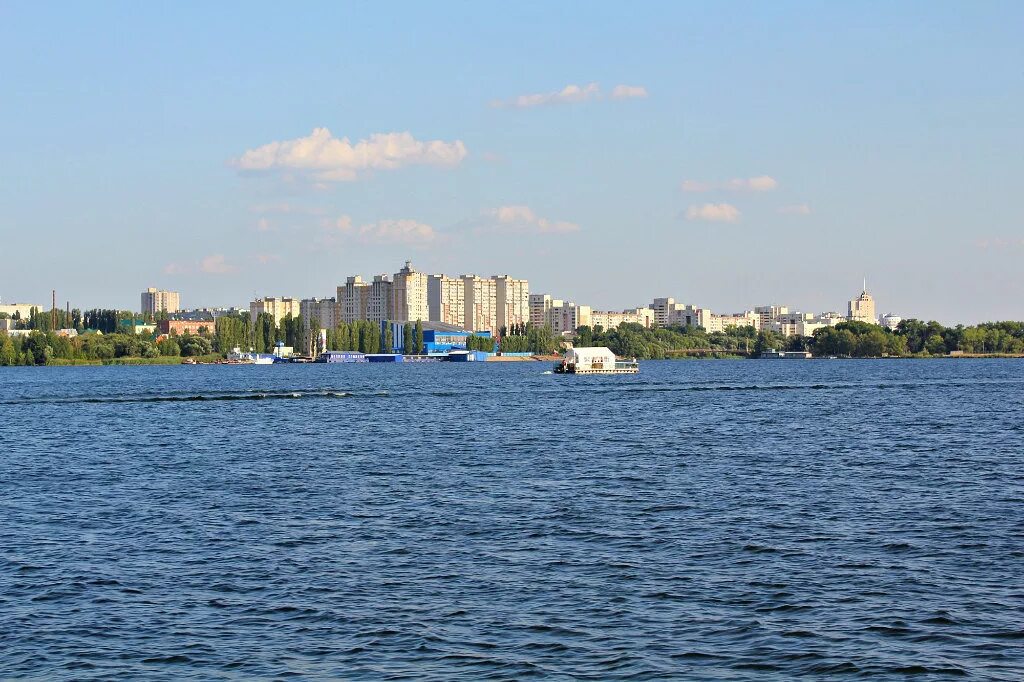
595,360
237,356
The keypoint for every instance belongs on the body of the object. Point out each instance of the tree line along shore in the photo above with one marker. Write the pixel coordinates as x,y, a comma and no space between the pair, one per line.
911,338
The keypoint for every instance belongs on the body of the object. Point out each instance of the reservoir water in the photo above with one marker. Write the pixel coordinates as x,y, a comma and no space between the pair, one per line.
701,520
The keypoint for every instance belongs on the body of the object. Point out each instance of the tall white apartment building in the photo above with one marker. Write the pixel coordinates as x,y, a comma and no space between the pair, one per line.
409,290
353,299
540,304
512,298
768,314
380,301
862,308
567,317
681,315
446,300
276,307
323,310
661,308
481,304
160,300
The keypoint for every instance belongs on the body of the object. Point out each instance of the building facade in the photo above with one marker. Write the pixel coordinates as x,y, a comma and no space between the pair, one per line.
182,327
353,299
323,310
446,300
567,317
512,298
380,300
410,292
277,307
481,304
154,301
862,309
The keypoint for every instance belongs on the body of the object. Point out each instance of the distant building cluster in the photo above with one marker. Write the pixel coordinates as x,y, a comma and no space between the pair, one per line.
466,302
472,303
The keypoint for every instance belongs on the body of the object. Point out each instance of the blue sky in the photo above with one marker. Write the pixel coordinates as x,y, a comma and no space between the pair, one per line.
826,142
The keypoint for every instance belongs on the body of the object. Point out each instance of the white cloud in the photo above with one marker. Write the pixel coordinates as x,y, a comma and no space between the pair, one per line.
518,218
999,243
216,265
795,209
401,231
327,158
267,258
175,269
570,94
264,225
715,213
760,183
629,91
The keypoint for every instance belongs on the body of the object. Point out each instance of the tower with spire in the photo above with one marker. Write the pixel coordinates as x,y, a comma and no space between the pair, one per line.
862,308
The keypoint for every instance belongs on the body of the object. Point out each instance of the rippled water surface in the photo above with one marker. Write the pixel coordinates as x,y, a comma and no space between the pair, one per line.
703,520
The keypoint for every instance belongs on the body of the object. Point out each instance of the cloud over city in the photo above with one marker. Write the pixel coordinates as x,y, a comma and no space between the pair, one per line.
795,209
326,158
401,231
214,264
570,94
760,183
520,218
713,213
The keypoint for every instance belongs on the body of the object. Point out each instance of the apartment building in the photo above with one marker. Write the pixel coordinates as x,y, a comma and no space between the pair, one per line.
276,307
446,300
154,301
481,303
410,294
512,299
323,310
353,299
380,300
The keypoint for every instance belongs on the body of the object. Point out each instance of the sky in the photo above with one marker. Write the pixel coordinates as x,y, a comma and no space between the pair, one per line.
725,154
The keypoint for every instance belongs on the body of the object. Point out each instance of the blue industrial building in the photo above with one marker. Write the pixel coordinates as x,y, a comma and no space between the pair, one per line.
438,338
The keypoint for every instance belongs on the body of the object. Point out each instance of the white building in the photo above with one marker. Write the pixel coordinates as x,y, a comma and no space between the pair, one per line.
380,300
22,310
567,317
540,305
353,299
768,314
481,304
446,300
862,308
276,307
409,290
611,319
154,301
890,321
512,299
323,310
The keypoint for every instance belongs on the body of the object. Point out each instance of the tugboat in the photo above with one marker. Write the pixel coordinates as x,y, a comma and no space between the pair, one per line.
596,360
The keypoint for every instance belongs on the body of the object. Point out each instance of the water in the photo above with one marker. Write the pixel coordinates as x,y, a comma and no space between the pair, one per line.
702,520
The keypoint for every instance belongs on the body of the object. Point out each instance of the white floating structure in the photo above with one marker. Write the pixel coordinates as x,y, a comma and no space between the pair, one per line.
595,360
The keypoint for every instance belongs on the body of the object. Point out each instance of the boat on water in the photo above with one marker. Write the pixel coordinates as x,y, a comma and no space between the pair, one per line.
595,360
237,357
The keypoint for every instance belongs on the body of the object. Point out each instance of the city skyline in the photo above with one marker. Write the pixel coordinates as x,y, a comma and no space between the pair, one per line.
690,151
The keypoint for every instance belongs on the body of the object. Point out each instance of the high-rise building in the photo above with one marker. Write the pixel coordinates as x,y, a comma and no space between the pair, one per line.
353,299
862,308
481,304
512,298
323,310
409,290
160,300
380,301
540,304
768,314
278,308
446,300
661,308
566,317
